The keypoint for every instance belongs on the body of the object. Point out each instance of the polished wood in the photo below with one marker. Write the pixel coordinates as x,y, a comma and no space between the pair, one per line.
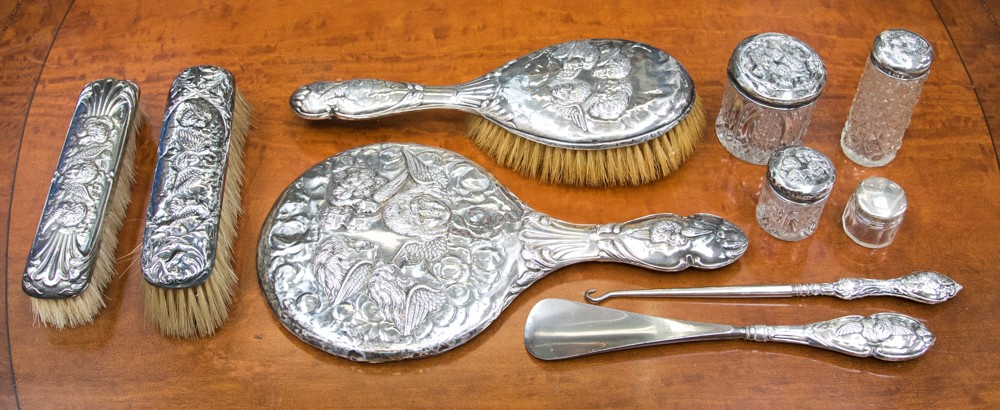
972,25
26,36
948,165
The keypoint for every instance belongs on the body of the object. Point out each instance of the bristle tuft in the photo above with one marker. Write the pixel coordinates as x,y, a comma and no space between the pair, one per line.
632,165
200,310
82,308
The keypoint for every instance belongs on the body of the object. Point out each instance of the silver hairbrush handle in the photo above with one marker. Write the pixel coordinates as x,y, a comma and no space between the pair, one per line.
559,329
922,286
361,99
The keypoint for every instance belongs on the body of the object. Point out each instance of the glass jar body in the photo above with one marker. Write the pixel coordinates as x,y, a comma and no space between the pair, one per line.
785,219
866,231
880,114
874,212
752,131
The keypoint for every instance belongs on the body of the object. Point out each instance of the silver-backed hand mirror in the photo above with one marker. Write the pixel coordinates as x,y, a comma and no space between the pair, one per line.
396,251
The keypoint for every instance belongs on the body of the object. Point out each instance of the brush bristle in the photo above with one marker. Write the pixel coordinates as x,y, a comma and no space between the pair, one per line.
200,310
82,308
632,165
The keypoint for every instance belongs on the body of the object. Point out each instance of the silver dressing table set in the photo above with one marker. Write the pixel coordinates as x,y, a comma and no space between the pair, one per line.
396,251
393,251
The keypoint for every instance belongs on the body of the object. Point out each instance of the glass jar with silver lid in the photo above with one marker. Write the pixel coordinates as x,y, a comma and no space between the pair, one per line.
887,94
774,81
798,182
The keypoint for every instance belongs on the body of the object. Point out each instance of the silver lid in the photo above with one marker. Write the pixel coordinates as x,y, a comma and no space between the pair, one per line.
777,69
801,174
902,54
881,199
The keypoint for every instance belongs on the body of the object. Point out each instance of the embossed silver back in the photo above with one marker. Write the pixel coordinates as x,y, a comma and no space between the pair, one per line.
64,251
395,251
584,94
182,219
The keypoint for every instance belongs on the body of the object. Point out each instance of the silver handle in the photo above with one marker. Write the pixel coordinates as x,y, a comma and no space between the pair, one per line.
365,98
663,242
922,286
559,329
761,291
885,336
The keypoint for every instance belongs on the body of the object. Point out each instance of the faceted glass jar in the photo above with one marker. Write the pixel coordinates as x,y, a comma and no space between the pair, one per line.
887,95
787,220
798,182
774,81
752,131
874,213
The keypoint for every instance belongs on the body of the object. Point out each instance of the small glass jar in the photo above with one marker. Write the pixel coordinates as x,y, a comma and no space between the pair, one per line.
774,81
875,211
798,182
887,94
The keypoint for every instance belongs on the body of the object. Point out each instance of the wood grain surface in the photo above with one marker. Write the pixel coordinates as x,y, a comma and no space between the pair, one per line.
948,166
974,29
25,40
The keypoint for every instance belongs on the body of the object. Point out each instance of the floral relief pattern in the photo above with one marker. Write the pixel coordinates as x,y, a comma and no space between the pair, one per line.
922,286
885,336
64,250
403,248
780,64
593,93
182,219
591,82
393,251
596,93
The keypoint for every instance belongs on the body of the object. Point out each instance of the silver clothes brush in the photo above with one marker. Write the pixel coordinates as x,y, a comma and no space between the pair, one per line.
560,329
191,217
922,286
73,253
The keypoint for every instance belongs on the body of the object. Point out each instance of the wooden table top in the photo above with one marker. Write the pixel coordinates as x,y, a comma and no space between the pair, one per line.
948,166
